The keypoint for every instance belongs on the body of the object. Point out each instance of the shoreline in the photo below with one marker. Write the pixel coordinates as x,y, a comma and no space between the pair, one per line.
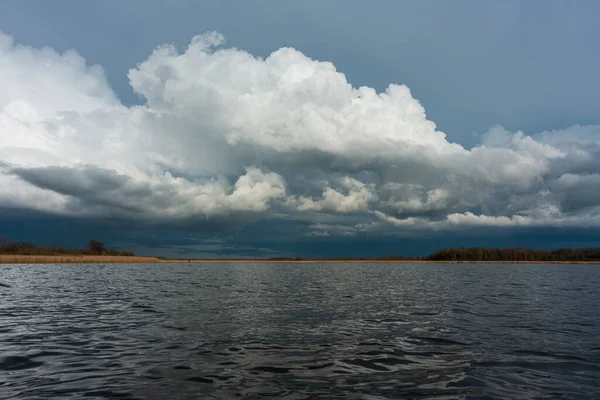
325,261
85,259
74,259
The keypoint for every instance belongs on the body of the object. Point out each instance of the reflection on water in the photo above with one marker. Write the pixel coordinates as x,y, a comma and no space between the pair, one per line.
299,331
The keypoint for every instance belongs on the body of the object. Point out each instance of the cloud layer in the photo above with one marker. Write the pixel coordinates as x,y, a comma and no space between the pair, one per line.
221,133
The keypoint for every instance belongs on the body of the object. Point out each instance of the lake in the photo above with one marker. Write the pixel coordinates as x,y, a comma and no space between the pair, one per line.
299,331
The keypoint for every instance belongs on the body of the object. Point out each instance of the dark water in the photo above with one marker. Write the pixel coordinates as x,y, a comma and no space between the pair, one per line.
299,331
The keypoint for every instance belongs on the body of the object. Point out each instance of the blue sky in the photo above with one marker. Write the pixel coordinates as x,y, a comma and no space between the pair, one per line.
484,71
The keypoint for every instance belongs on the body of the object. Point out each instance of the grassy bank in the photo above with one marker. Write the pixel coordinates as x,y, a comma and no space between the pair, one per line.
73,259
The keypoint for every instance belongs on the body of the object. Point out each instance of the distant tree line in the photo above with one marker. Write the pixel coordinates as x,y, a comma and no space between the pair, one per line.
485,254
95,247
515,254
8,246
297,258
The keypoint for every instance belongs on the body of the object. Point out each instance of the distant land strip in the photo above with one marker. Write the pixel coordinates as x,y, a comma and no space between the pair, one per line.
370,261
100,259
15,252
74,259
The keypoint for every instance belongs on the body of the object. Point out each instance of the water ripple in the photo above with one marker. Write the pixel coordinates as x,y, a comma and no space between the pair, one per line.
299,331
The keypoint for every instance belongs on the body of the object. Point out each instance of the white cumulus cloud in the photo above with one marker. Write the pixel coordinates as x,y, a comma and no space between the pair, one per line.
220,131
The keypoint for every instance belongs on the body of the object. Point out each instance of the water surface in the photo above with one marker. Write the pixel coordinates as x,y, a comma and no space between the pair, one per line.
299,331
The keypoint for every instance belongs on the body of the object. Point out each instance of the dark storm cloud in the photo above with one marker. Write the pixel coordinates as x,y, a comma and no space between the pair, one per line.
94,186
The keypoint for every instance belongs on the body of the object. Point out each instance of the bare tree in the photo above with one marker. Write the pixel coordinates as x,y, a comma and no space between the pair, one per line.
96,247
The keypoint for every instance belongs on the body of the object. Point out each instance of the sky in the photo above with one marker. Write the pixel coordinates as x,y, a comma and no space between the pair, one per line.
319,129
